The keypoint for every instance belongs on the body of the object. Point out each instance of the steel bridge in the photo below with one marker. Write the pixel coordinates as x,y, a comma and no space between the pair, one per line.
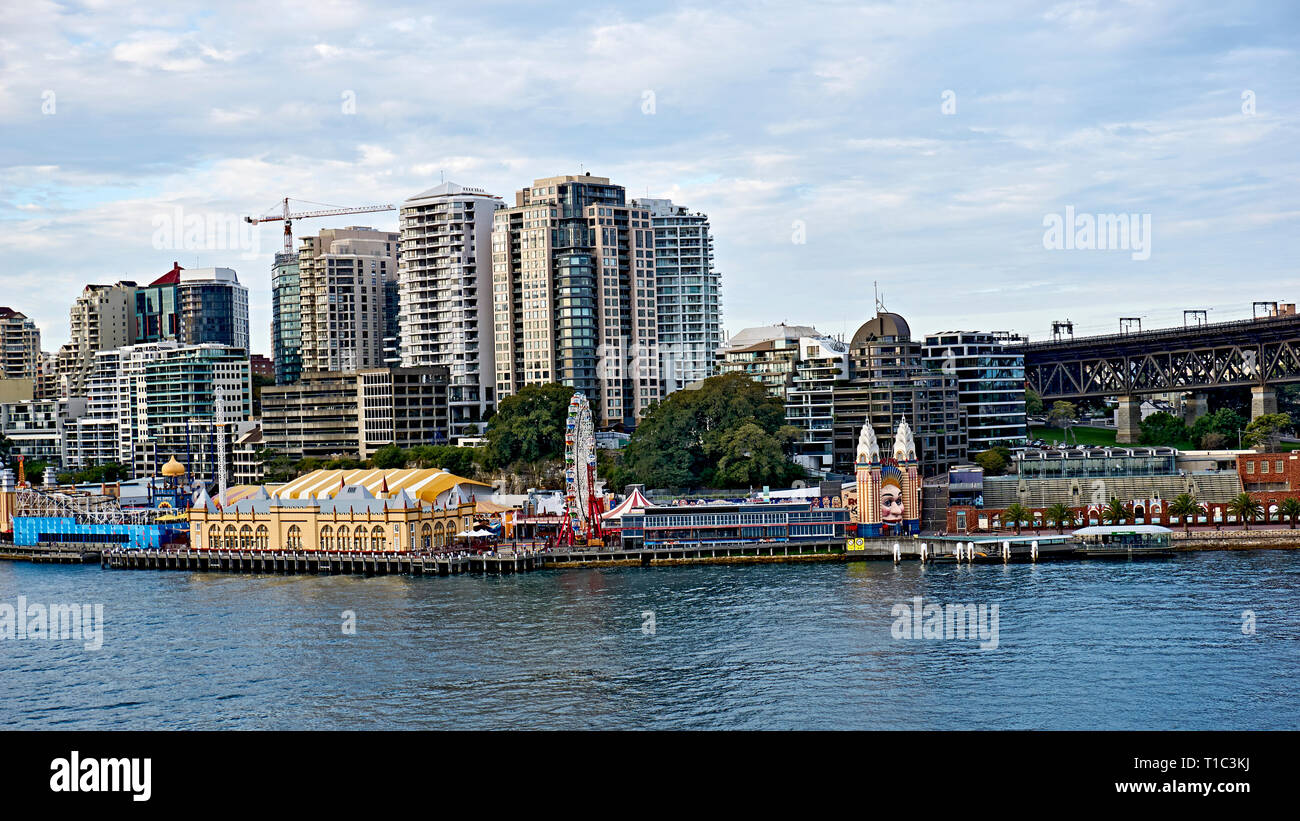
1255,353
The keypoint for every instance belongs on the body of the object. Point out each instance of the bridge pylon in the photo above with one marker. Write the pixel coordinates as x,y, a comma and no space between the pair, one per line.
1128,420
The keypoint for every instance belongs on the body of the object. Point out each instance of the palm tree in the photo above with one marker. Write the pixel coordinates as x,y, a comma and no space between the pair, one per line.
1017,513
1115,512
1185,507
1060,515
1290,508
1246,508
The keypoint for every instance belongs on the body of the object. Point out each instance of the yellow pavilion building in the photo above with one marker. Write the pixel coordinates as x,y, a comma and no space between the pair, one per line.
395,510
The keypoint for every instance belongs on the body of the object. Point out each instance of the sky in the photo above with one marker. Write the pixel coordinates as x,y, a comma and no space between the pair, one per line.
922,150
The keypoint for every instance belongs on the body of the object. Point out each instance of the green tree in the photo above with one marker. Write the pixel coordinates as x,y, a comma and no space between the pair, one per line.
1017,513
1062,416
277,468
35,471
1163,429
1060,515
994,461
749,455
1290,509
1267,429
457,460
1186,508
1213,441
1225,422
529,426
388,457
1246,508
1033,403
1115,512
682,440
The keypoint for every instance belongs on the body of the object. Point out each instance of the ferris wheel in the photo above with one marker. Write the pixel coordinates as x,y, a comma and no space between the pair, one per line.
581,507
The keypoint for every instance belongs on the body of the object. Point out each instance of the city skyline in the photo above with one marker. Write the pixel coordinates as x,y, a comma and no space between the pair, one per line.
924,163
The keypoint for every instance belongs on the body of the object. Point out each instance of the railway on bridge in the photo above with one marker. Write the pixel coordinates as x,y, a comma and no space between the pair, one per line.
1256,353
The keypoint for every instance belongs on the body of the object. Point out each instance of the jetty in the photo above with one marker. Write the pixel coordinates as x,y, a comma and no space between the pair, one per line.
506,560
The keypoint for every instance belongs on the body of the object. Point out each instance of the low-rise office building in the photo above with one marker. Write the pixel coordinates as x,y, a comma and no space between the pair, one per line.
351,415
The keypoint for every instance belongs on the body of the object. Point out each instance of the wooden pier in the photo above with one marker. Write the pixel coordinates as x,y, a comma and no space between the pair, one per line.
315,562
55,553
517,560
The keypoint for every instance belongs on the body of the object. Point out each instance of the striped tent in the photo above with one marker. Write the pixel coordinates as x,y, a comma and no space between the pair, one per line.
635,501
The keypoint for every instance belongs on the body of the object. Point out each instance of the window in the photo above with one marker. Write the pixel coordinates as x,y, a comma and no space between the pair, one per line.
327,538
295,537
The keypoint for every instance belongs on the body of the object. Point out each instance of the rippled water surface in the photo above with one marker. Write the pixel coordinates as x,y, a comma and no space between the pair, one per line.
1153,644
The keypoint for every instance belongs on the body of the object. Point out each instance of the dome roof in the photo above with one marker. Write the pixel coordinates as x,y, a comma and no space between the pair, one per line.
884,324
173,468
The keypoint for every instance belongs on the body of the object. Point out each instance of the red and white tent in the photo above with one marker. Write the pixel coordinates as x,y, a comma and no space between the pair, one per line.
636,501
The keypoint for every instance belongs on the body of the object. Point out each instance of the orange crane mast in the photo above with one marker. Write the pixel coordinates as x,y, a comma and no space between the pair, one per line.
289,217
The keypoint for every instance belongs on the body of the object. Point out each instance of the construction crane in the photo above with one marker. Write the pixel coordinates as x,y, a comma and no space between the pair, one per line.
289,217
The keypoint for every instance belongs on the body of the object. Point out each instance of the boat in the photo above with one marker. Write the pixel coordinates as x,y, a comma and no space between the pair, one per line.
1123,541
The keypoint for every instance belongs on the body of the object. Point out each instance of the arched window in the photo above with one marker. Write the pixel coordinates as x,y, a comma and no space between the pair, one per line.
426,537
327,538
246,537
263,537
439,536
232,539
343,537
214,538
295,536
377,538
359,538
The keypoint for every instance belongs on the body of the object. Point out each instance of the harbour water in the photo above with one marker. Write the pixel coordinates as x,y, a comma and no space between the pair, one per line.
1155,644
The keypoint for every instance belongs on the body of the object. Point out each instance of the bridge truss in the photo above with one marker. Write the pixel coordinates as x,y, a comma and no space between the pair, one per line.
1231,354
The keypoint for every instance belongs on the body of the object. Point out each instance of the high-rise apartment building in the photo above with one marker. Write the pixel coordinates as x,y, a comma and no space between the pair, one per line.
286,319
102,318
158,309
822,363
195,306
990,372
345,276
20,349
889,383
445,282
574,299
149,402
36,428
214,308
688,294
768,354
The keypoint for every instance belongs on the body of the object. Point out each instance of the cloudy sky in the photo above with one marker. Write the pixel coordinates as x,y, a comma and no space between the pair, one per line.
834,145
